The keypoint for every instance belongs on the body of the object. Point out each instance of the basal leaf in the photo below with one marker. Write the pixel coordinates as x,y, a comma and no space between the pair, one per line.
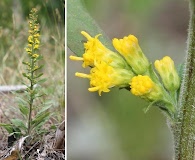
18,123
78,19
8,127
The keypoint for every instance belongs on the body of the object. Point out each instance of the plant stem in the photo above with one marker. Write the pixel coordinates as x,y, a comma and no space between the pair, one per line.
184,127
31,96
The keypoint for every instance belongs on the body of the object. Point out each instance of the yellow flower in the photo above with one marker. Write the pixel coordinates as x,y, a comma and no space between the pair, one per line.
35,55
36,35
36,28
129,48
144,87
28,50
168,73
95,52
36,67
33,38
36,46
30,39
103,77
37,41
29,45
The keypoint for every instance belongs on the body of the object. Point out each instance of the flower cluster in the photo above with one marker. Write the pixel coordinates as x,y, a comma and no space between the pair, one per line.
33,47
129,68
33,38
107,66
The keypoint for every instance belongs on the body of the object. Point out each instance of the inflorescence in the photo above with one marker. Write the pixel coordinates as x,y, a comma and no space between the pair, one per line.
130,69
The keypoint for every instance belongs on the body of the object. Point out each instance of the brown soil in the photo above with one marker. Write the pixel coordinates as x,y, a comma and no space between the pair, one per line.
43,149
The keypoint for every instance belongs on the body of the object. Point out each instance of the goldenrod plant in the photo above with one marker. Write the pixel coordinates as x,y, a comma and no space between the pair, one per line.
122,63
32,65
34,114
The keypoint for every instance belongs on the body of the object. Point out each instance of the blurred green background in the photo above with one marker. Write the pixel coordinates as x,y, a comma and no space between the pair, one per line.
114,125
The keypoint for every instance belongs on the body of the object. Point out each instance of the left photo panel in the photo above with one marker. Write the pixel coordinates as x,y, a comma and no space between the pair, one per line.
32,79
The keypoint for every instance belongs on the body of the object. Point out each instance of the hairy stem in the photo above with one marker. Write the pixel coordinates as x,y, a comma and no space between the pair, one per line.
184,128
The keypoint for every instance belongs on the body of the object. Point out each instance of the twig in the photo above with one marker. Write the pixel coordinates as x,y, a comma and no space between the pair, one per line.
11,88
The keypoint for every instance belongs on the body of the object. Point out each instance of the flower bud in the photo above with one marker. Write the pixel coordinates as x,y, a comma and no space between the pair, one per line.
144,87
129,48
168,73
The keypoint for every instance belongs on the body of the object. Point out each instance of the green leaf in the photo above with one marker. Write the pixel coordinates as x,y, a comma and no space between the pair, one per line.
40,57
25,75
78,19
21,101
40,67
25,63
42,80
40,118
43,109
38,75
24,110
8,127
153,75
18,123
146,109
